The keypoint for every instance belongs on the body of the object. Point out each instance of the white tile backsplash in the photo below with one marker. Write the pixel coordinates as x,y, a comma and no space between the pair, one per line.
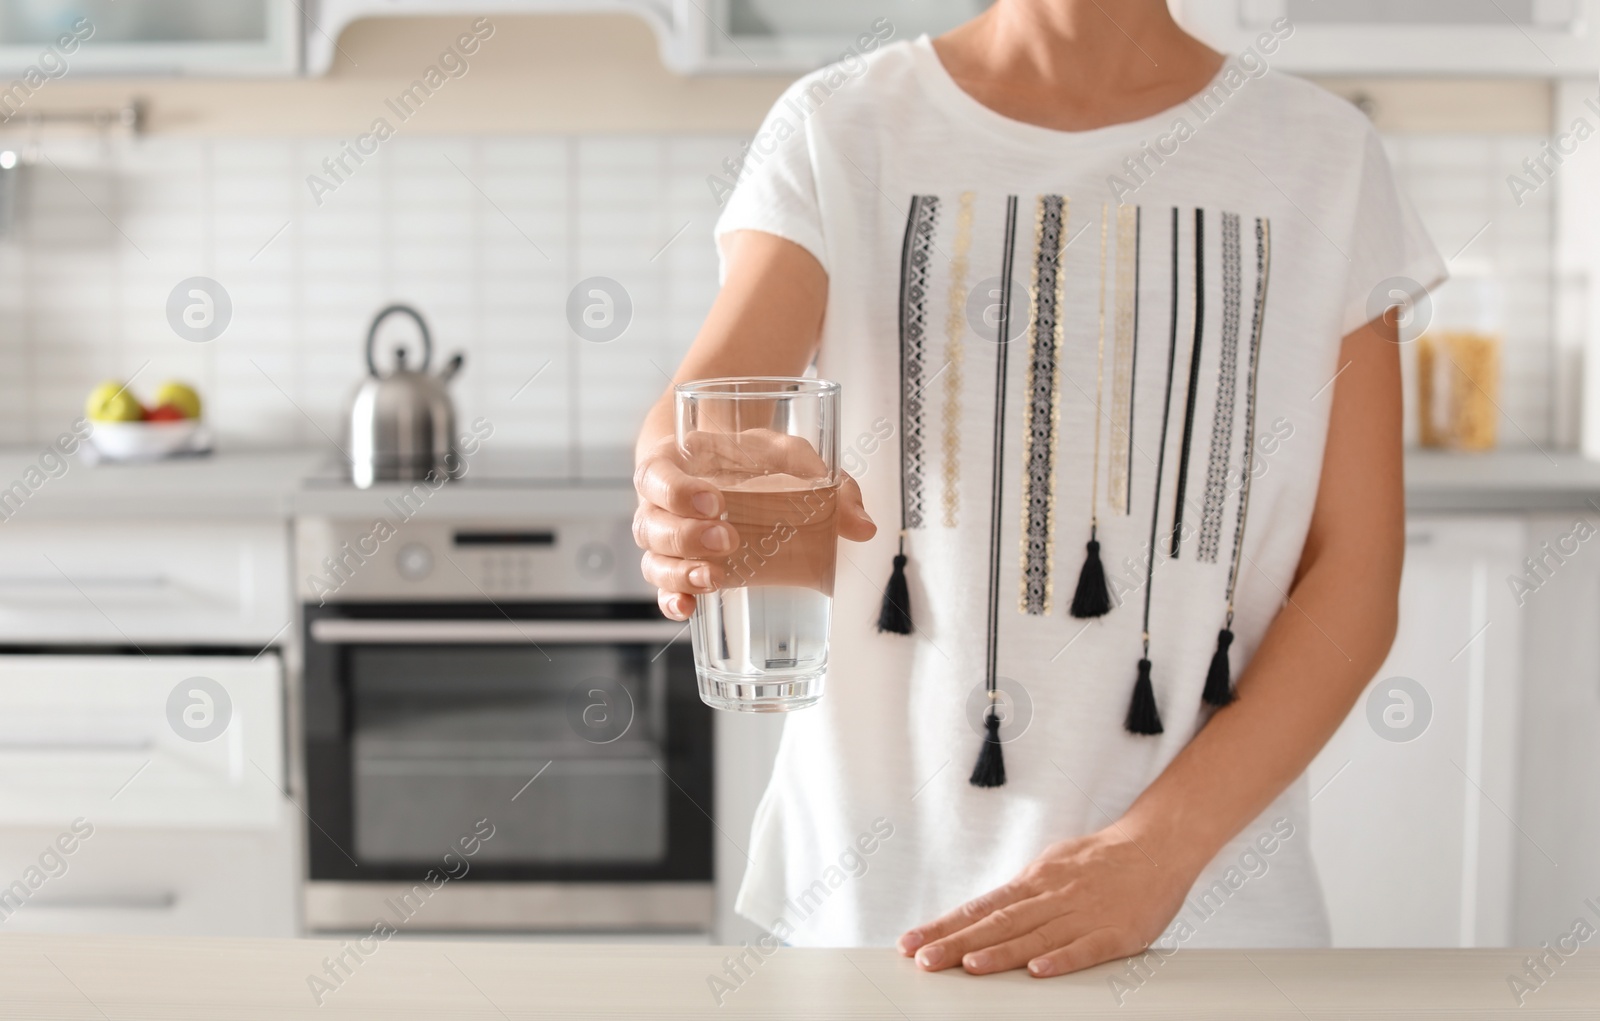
1458,185
486,235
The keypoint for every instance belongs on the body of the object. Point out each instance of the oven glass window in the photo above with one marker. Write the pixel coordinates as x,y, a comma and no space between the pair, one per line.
556,746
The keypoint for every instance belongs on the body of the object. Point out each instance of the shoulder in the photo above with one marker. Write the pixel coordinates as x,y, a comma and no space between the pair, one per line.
1282,101
860,83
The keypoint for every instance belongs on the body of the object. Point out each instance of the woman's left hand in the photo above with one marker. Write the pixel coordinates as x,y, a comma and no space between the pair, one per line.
1080,903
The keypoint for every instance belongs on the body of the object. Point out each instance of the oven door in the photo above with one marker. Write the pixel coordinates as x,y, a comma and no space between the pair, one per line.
580,744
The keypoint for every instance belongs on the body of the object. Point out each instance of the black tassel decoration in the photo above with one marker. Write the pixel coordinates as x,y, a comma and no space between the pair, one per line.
894,615
1143,716
990,770
1219,683
1092,599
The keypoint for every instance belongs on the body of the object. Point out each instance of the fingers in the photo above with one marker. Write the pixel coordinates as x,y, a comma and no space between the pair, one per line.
1028,945
972,911
671,535
663,483
854,523
673,575
675,605
678,528
1086,951
793,455
1017,920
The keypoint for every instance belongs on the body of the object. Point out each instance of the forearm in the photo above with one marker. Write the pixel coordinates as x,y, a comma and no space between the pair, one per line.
765,322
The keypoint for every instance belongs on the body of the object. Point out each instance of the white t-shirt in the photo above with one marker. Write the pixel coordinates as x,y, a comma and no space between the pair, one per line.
902,186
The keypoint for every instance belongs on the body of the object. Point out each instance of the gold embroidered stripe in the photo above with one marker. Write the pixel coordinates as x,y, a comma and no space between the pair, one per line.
955,329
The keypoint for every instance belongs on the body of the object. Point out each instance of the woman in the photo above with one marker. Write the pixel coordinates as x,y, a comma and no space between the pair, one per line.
1109,298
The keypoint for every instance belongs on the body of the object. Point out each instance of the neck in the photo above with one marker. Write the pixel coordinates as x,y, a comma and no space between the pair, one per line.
1077,64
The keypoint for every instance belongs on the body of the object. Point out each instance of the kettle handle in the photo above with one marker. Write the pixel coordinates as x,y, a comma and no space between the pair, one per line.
372,337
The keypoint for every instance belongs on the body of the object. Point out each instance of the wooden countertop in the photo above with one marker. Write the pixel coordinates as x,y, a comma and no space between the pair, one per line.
118,978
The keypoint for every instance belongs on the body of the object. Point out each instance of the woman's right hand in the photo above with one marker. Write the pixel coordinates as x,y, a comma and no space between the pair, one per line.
678,525
686,543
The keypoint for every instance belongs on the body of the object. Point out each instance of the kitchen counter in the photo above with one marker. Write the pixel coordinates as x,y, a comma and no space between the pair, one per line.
220,979
247,484
257,484
1508,481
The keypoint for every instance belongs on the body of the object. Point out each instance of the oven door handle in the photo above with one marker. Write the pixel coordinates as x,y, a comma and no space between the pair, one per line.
343,631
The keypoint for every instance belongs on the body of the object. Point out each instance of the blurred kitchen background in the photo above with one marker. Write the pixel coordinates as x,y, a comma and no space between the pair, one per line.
367,705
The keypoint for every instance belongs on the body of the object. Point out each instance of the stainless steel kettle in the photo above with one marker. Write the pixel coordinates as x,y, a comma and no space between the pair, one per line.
402,426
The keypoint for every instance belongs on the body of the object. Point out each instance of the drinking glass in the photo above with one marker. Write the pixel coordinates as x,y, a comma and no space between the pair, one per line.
771,445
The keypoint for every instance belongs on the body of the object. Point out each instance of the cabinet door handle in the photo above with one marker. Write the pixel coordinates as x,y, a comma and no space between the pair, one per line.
135,581
162,900
131,744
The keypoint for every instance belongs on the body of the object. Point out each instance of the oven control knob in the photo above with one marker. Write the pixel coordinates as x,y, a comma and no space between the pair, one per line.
415,561
594,559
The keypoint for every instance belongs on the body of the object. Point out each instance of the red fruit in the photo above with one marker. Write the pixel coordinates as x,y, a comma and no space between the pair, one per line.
165,413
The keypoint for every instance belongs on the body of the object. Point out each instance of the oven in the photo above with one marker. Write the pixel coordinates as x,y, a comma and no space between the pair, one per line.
500,726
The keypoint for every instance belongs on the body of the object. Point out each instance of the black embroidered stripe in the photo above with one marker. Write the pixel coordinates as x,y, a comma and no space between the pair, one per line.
914,263
1194,377
1227,378
996,485
1161,450
1038,538
1263,268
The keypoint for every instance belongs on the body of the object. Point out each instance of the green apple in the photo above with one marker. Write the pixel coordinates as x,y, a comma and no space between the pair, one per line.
111,402
180,396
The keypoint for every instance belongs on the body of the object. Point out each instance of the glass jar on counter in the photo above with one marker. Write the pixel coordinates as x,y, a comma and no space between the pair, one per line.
1458,368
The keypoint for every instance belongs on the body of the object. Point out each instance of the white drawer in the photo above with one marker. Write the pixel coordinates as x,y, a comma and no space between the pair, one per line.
136,582
106,738
150,882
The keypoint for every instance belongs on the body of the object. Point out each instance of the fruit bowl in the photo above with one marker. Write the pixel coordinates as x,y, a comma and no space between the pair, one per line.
144,441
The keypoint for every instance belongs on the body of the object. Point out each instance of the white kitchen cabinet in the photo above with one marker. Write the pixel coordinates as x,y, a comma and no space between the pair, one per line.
223,38
1413,799
152,882
141,582
763,36
142,741
1509,37
734,36
1559,775
669,18
144,794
